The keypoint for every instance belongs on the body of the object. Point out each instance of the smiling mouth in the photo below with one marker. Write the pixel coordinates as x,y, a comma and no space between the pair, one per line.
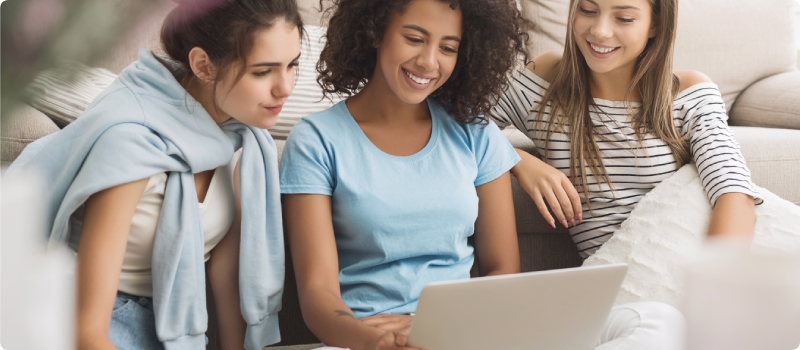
416,79
276,109
602,50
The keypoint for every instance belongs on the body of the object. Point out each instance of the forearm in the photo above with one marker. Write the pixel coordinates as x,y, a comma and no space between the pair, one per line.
223,273
733,217
329,318
101,251
527,160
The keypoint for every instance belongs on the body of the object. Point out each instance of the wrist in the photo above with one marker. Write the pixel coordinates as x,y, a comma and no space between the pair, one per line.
375,338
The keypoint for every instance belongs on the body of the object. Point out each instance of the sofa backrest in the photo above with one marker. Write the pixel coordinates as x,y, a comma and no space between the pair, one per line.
735,42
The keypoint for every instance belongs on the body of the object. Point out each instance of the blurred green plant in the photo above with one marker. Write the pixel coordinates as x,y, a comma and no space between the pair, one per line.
38,34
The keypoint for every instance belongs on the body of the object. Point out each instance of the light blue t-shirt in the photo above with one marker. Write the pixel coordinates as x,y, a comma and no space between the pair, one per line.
399,222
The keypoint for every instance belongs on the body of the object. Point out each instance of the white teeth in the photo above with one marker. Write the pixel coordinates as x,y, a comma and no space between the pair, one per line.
602,50
416,79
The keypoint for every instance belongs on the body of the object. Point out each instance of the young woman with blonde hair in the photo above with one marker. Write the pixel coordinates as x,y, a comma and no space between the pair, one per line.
612,119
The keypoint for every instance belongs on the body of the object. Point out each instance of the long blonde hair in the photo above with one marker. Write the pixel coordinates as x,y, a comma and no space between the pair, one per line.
570,98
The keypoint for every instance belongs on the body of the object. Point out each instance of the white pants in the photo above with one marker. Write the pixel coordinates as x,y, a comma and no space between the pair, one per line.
643,325
634,326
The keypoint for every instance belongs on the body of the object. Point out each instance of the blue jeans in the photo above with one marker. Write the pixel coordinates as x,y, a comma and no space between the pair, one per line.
133,323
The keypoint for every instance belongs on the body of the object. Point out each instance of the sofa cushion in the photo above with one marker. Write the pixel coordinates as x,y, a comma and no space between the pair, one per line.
64,92
550,20
310,12
773,157
735,42
21,125
668,228
306,98
773,102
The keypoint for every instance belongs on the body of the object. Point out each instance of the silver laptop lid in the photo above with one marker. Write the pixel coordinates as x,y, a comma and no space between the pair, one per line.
557,309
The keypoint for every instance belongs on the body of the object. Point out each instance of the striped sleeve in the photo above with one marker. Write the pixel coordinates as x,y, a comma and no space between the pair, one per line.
525,91
716,153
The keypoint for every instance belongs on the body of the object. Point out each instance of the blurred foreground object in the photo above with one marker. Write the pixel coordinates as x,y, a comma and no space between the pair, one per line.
36,291
740,300
38,34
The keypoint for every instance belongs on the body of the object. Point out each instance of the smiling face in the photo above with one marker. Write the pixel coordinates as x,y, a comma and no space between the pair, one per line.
611,34
419,50
257,98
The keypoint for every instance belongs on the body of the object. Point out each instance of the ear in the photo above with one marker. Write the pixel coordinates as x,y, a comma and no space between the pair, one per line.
653,30
201,65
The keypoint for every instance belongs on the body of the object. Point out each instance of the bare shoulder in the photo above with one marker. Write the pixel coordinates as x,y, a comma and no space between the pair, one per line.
545,64
690,78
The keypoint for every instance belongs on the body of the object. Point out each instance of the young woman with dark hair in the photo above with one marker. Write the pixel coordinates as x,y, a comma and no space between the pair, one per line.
146,184
382,191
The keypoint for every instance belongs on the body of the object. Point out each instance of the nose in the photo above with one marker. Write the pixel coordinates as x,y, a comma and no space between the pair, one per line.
283,87
601,28
427,58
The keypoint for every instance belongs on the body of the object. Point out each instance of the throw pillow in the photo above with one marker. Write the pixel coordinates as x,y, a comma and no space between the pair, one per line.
306,98
668,228
63,93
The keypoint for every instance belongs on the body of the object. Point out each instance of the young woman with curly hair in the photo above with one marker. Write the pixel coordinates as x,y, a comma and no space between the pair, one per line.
382,191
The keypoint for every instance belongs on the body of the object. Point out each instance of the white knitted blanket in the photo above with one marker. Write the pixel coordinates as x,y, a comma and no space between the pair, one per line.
668,227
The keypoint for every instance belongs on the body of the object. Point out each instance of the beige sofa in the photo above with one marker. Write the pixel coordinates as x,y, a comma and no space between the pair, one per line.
746,47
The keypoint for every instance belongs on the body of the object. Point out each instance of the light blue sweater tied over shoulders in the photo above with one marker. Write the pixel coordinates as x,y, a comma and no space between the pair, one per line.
144,124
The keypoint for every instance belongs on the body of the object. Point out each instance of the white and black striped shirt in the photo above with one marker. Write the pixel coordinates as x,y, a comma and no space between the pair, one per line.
634,169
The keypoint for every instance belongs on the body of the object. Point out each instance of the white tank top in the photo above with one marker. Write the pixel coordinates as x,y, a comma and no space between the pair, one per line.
216,215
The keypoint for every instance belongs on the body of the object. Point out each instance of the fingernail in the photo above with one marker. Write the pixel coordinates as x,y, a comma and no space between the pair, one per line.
564,222
572,221
552,223
580,217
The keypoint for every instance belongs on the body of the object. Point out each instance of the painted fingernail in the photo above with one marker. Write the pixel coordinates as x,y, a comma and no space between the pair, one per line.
580,217
564,222
552,223
572,221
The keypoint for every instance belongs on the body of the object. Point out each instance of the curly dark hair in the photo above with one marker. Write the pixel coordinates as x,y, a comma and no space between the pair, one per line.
492,42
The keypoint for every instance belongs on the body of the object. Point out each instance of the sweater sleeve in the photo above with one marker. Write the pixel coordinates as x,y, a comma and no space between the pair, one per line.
704,122
525,91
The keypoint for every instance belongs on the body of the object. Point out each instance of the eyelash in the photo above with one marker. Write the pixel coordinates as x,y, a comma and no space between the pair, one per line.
263,73
587,12
418,41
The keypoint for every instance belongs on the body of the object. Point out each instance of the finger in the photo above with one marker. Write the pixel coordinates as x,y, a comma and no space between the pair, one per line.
555,206
574,198
566,205
400,339
377,319
539,201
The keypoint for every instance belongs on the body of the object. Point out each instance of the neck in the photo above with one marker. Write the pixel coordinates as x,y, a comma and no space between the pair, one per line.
613,85
376,102
203,93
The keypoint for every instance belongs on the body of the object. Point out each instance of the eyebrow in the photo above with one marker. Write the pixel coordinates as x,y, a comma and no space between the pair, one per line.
624,7
273,64
427,33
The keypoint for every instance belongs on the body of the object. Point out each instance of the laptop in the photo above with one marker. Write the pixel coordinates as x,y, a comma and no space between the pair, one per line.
551,310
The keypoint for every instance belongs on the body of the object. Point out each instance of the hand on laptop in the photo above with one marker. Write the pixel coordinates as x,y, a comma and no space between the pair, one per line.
396,327
390,322
394,340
